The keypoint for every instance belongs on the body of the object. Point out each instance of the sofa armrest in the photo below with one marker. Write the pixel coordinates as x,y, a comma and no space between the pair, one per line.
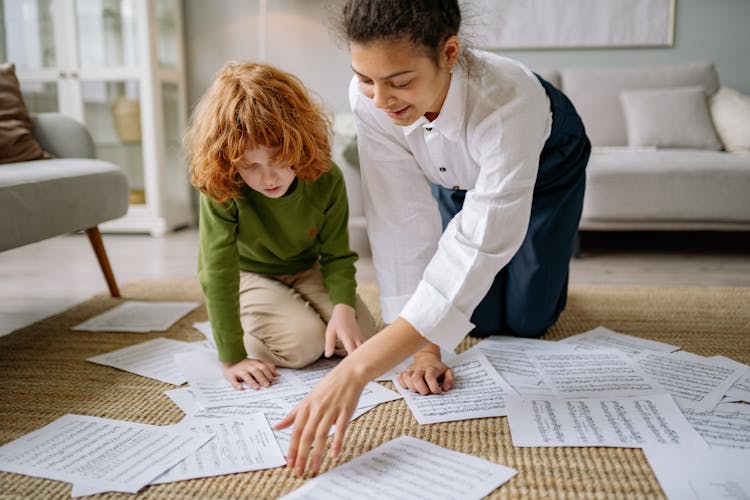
63,136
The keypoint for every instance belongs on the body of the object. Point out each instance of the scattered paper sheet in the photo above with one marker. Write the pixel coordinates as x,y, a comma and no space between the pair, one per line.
153,359
479,391
212,390
700,474
205,328
532,389
241,444
740,391
604,372
311,374
98,453
625,422
726,426
138,316
410,469
276,409
629,345
373,394
694,381
510,357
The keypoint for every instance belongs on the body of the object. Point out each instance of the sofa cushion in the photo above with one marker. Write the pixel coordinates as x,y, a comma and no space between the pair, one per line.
669,118
730,110
58,196
16,140
667,185
596,93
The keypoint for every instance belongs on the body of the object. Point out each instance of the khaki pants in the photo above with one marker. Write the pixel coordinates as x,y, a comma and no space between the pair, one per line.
285,316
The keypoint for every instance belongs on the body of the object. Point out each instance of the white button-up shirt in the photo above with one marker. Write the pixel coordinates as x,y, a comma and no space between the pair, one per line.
487,140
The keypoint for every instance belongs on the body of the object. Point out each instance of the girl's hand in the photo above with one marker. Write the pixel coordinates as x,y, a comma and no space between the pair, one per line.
343,326
331,402
427,374
254,372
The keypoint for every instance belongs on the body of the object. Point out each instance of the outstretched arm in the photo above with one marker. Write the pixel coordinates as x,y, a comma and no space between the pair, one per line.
332,401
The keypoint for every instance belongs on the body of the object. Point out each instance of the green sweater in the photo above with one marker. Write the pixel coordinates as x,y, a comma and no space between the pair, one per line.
273,236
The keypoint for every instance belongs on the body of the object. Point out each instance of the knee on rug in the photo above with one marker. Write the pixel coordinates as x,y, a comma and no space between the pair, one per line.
294,346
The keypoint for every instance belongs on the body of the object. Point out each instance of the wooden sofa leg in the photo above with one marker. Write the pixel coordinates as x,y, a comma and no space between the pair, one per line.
95,237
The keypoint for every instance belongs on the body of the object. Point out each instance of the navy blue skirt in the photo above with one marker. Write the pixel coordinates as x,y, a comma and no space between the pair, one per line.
529,293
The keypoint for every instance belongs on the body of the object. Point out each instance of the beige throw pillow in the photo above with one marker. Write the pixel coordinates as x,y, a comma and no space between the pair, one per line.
16,141
675,117
730,110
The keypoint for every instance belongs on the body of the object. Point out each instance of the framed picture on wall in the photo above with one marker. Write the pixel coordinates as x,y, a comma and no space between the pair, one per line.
574,24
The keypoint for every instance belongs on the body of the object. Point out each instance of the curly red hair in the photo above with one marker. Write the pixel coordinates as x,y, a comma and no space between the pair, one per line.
249,106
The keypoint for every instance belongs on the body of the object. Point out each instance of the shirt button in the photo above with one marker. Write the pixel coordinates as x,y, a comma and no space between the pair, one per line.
442,169
429,129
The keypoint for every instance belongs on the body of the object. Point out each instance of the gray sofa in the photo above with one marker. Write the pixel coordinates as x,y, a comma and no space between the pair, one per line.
44,198
639,187
630,187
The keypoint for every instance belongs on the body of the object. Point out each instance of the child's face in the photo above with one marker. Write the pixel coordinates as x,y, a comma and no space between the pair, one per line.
256,169
401,80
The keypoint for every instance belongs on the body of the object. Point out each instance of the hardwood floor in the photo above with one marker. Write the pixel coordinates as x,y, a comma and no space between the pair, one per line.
44,278
663,258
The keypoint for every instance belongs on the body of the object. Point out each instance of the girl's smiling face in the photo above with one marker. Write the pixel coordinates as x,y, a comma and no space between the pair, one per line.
401,79
272,180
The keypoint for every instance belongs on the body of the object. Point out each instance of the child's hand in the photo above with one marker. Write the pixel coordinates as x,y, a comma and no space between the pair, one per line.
254,372
343,325
425,373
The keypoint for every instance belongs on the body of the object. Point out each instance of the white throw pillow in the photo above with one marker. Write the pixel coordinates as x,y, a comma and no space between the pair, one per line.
676,117
730,110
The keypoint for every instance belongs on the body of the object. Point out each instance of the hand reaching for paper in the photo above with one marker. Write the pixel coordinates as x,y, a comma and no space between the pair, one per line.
427,374
254,372
331,402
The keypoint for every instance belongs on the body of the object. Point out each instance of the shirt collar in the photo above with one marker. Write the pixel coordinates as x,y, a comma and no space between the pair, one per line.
450,121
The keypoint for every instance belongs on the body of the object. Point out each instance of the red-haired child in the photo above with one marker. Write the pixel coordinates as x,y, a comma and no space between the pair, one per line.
274,260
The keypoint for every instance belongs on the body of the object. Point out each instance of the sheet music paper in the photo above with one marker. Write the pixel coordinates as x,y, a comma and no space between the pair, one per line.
604,372
241,445
479,391
138,317
532,389
313,373
726,426
624,422
410,469
152,359
276,409
212,390
205,328
629,345
740,390
700,474
98,453
694,381
510,357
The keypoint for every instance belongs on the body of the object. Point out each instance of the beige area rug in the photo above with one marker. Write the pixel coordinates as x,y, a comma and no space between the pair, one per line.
44,375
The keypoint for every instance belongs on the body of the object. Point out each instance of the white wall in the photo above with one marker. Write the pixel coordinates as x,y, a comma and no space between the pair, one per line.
715,30
298,41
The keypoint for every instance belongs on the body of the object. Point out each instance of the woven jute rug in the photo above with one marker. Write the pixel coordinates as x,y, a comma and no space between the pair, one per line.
44,375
